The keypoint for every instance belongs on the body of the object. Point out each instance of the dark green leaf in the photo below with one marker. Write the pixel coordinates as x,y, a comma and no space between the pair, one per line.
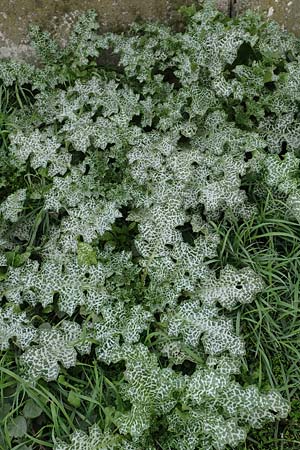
17,427
73,399
31,409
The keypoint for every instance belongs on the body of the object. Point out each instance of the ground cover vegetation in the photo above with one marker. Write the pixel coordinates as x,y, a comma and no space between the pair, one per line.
149,238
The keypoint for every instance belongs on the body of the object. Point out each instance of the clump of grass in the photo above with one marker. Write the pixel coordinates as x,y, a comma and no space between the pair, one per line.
270,244
75,401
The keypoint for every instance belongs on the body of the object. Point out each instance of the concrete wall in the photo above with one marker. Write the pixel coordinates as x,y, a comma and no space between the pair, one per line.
57,16
286,12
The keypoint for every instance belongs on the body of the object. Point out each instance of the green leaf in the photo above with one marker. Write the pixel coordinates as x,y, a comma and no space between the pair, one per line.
31,409
48,309
16,259
4,410
86,254
269,76
73,399
187,11
2,276
17,427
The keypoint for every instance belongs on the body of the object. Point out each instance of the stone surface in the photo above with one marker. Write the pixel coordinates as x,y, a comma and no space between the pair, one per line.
57,17
286,12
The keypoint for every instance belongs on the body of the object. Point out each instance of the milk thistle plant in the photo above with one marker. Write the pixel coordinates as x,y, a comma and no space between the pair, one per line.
118,313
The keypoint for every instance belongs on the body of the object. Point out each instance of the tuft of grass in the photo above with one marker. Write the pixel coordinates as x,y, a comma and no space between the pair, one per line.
270,244
76,400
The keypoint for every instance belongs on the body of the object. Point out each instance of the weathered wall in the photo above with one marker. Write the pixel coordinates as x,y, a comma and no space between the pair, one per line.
286,12
57,16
